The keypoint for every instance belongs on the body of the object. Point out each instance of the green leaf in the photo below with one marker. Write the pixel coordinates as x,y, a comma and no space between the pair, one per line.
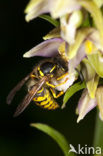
50,20
72,90
54,134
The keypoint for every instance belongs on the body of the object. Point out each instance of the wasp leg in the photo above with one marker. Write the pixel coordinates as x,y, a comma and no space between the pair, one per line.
33,76
54,86
54,93
41,90
61,83
59,78
50,85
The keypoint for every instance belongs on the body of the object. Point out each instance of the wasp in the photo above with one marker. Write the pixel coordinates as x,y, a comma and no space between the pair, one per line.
47,81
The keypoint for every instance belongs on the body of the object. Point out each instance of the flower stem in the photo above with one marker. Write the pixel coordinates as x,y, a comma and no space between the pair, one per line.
98,135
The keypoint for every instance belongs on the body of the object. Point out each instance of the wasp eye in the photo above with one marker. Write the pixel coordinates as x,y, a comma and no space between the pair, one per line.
48,68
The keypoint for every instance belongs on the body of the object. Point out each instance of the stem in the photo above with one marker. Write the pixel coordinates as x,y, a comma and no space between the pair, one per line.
98,135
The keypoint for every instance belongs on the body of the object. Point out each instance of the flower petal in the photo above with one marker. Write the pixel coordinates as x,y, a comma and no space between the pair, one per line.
90,48
87,70
85,105
61,7
62,51
90,77
74,62
92,86
80,36
48,48
99,3
36,8
32,4
96,14
96,61
55,33
99,97
69,24
95,38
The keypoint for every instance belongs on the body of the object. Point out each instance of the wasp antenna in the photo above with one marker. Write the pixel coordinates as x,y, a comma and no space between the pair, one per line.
15,115
10,98
18,111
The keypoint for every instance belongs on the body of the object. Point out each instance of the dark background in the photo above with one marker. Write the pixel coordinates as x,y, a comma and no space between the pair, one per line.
16,136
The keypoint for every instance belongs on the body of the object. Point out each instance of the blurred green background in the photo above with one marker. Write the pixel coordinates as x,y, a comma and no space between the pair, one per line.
16,136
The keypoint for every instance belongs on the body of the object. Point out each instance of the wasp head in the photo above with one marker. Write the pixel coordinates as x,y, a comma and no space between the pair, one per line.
47,69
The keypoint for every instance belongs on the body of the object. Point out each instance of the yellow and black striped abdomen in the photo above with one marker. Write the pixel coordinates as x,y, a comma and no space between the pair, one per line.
44,99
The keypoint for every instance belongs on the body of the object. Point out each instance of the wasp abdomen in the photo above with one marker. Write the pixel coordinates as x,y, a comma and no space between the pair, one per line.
44,99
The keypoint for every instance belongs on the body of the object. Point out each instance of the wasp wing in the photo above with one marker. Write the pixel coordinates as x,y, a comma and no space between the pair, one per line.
16,88
28,98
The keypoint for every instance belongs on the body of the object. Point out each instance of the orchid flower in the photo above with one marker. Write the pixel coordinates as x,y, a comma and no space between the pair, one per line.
88,38
48,48
86,104
69,24
69,12
66,10
56,8
80,45
52,48
87,44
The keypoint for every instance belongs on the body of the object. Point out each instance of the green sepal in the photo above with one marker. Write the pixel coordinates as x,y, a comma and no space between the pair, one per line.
96,61
90,76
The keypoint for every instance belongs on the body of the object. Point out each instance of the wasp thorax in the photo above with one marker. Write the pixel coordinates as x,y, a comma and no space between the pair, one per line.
47,68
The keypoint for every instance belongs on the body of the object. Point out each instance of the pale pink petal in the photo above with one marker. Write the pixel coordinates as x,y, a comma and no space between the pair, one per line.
48,48
95,38
61,7
85,105
73,63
